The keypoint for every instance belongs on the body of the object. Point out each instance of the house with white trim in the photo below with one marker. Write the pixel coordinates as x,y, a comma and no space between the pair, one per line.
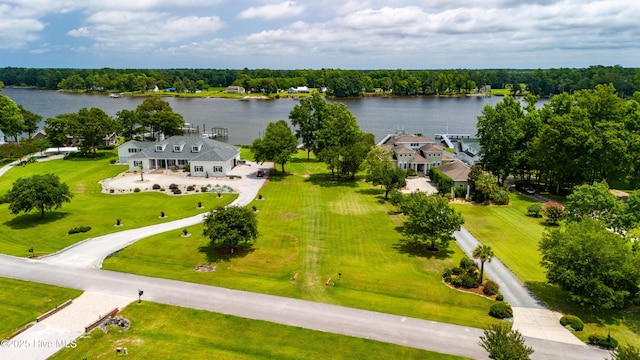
205,157
415,152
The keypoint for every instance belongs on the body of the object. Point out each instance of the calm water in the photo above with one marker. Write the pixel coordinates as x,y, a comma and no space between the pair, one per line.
246,120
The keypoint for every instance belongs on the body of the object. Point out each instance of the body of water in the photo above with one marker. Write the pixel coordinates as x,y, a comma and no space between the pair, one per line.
246,120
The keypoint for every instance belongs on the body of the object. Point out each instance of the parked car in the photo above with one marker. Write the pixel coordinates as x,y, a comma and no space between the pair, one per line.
260,173
530,191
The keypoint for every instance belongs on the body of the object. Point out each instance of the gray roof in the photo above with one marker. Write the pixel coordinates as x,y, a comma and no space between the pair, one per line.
210,150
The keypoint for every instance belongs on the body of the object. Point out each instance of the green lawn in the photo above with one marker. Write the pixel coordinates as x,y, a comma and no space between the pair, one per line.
23,301
89,207
316,226
514,238
164,332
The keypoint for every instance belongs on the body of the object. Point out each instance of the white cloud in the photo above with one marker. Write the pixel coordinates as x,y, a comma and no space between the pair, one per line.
281,10
135,31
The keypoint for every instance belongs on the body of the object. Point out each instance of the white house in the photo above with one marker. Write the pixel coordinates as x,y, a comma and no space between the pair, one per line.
205,157
233,89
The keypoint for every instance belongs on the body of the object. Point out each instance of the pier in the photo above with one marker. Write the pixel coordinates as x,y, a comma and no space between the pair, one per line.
446,138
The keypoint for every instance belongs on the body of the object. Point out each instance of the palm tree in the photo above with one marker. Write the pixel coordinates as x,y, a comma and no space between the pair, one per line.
484,254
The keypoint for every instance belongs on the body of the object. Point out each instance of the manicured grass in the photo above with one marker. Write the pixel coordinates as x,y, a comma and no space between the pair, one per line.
512,235
167,332
23,301
89,207
514,238
317,226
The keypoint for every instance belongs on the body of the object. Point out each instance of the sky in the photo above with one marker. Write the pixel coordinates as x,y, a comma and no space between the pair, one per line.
362,34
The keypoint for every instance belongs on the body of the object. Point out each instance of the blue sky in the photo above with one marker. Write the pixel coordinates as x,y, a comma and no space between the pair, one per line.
362,34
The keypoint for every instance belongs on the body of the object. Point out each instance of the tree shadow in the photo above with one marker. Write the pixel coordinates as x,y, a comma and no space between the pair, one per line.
326,180
372,191
420,250
221,252
31,220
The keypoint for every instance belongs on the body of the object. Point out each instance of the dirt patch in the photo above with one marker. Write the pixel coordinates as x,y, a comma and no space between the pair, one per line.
204,268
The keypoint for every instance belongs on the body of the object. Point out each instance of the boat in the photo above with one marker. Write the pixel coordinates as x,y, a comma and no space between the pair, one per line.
114,95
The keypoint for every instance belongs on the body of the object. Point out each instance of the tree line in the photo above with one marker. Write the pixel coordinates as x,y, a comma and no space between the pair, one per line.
340,83
584,137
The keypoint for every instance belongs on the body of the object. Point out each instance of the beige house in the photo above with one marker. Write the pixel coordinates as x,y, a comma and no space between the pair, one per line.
415,152
458,172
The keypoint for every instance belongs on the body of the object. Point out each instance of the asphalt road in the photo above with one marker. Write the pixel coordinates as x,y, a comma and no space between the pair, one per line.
417,333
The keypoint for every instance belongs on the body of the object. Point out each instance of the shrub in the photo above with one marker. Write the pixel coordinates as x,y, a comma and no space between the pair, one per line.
112,161
456,271
173,186
136,190
204,189
457,282
491,288
190,188
176,191
469,281
535,210
466,263
572,322
156,187
161,189
447,272
501,198
606,342
187,167
411,172
501,310
499,297
81,229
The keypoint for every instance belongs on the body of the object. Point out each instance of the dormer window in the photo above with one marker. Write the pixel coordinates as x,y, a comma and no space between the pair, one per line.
160,147
196,148
178,148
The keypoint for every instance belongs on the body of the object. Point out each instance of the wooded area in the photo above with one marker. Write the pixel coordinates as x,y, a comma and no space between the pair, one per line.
340,83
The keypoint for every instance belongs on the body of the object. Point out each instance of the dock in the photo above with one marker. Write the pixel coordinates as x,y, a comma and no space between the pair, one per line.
446,138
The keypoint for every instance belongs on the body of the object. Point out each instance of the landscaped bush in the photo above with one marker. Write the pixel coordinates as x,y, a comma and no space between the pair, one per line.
81,229
411,172
491,288
501,198
113,161
176,191
501,310
136,190
190,188
173,186
204,189
499,297
469,281
457,282
457,271
606,342
466,263
572,322
535,210
156,187
447,272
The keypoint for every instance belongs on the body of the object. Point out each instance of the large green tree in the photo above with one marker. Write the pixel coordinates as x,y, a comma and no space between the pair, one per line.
92,126
10,118
381,170
42,192
231,225
57,129
504,344
596,266
596,202
278,145
158,116
430,220
30,121
307,118
500,132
